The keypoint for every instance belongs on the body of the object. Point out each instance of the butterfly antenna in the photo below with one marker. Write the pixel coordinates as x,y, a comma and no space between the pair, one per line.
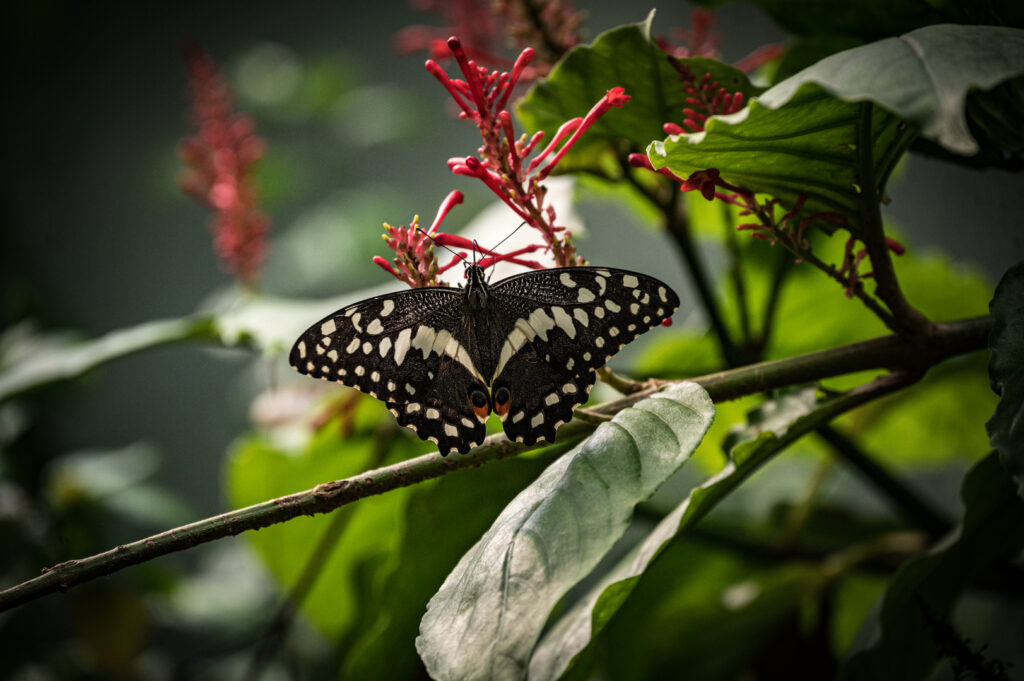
420,229
506,239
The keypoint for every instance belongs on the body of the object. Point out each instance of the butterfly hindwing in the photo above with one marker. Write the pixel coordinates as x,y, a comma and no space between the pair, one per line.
442,413
542,397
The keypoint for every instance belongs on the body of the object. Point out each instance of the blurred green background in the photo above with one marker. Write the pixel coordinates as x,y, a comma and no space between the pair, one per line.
97,236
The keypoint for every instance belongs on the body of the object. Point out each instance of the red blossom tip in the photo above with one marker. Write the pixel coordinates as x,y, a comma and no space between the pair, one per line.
667,322
640,161
895,246
385,265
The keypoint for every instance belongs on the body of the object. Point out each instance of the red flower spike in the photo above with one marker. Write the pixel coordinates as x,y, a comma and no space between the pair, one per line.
220,159
673,129
616,97
453,199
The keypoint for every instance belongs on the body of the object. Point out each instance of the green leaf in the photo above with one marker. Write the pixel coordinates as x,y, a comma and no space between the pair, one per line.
489,613
800,136
1006,372
31,361
790,416
922,595
623,57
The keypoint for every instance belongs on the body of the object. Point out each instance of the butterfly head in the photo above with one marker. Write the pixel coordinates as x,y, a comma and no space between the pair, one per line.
476,287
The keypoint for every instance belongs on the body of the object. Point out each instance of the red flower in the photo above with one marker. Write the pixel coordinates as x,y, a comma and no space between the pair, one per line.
482,97
703,180
220,159
414,261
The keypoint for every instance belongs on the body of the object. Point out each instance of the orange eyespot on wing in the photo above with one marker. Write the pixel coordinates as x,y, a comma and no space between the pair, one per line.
481,406
502,400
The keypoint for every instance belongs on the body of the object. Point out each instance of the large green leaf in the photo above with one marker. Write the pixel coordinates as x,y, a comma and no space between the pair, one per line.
489,613
1006,372
904,641
771,429
623,57
800,136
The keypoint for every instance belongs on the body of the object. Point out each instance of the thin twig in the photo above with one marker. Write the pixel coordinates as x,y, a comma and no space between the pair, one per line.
908,319
891,352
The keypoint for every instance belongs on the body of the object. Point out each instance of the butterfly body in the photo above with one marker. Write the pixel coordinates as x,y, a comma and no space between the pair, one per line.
525,348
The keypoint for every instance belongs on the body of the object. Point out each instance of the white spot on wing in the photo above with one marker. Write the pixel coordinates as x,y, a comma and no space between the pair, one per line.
375,376
541,322
360,370
402,345
353,346
374,327
564,321
601,283
433,413
424,340
385,345
355,321
388,308
551,399
612,305
409,389
568,388
301,347
367,347
519,417
581,316
537,420
629,281
328,327
585,295
412,407
566,280
661,294
333,355
450,430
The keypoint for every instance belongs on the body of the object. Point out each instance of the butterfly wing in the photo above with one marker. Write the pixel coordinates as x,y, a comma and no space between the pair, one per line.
567,323
402,348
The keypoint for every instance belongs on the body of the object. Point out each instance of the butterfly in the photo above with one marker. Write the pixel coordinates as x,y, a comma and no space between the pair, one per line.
525,348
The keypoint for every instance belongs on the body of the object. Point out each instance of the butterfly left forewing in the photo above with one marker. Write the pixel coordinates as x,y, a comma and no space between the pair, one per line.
404,349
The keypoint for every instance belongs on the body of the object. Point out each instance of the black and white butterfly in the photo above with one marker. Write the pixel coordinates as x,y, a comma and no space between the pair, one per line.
525,348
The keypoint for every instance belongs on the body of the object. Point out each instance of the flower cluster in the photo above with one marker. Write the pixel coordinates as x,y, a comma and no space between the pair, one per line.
220,159
704,98
502,164
414,262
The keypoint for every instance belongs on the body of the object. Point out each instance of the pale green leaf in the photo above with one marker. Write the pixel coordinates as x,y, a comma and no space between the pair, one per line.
489,613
